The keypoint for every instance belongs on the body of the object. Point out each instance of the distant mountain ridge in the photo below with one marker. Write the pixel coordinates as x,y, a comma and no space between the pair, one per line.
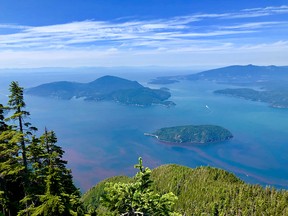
242,70
238,74
104,88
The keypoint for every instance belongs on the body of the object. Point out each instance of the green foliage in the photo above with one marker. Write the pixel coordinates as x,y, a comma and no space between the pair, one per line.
34,179
211,191
60,197
2,122
11,169
91,199
9,153
137,197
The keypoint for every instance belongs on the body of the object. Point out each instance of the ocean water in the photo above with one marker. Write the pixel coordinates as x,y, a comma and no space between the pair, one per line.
103,139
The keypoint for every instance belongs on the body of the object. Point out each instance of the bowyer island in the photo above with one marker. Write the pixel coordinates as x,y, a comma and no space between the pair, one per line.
195,134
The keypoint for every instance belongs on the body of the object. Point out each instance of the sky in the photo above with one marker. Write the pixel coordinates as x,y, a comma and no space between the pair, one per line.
168,33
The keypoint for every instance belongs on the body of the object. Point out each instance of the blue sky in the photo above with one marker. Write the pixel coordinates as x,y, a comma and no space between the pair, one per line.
170,33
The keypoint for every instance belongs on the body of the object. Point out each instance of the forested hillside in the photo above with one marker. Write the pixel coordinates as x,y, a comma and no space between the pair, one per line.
205,191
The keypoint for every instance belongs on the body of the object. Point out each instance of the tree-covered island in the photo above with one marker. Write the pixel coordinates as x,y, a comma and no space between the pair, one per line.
109,88
192,134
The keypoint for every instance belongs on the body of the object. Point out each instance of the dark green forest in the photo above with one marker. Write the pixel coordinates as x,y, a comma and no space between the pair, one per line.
202,191
35,181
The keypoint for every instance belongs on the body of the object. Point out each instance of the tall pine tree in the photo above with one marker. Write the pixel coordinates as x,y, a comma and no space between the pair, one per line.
16,105
11,168
60,196
34,179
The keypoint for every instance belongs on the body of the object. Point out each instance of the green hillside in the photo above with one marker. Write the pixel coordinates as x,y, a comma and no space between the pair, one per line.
205,191
91,198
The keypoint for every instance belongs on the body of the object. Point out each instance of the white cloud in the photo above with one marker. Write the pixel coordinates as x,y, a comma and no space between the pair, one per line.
260,12
93,42
257,25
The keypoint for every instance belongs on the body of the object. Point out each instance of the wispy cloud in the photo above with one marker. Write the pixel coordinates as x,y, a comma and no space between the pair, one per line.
191,33
258,25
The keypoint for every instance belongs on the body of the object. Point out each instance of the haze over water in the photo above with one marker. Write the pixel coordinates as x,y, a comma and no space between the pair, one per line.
103,139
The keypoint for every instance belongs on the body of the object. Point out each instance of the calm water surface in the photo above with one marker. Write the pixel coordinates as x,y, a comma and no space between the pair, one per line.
102,139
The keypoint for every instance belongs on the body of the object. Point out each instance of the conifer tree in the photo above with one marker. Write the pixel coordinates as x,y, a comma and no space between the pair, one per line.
34,179
2,122
11,169
137,198
60,196
17,105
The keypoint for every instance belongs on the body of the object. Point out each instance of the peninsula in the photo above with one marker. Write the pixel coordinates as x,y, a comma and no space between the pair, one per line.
192,134
276,98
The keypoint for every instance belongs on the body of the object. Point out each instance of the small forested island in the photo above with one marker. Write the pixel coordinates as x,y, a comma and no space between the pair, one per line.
192,134
105,88
276,98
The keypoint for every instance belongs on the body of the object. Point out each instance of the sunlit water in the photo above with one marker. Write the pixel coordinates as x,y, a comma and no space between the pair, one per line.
103,139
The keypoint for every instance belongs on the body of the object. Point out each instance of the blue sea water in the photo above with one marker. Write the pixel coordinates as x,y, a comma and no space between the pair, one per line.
103,139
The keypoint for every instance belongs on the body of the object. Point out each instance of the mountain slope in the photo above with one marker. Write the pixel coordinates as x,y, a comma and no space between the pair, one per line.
207,191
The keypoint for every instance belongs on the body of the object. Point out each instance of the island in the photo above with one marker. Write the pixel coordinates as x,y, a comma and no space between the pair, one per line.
192,134
105,88
163,81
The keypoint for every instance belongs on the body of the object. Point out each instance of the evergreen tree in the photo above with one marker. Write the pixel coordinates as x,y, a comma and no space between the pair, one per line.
11,169
17,104
34,179
60,196
137,198
2,122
